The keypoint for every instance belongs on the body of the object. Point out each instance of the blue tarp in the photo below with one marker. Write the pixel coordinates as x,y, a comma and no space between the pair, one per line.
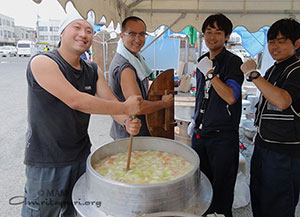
97,27
163,53
253,43
156,54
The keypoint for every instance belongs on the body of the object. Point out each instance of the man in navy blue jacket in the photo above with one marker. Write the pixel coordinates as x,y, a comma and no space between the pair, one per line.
217,113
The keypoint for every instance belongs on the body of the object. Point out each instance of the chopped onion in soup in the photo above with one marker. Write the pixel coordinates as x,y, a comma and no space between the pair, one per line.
146,167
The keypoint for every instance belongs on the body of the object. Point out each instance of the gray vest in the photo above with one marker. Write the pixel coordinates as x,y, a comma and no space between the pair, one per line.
118,64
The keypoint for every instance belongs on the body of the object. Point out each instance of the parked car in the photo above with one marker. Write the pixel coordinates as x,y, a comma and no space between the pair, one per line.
13,50
4,51
8,51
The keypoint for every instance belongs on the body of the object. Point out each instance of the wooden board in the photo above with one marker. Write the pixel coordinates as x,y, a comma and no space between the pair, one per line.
161,123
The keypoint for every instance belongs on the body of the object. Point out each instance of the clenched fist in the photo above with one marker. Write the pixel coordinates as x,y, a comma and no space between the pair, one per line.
133,105
248,66
168,100
133,126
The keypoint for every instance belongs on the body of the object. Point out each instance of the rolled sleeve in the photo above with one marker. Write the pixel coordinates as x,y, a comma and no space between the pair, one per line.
236,88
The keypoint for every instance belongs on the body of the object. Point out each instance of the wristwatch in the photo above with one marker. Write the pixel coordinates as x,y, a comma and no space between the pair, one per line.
253,75
210,76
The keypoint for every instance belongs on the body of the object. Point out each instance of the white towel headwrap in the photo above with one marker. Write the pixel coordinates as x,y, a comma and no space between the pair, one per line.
75,16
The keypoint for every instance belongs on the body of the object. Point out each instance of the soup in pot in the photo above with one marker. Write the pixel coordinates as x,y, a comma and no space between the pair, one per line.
146,167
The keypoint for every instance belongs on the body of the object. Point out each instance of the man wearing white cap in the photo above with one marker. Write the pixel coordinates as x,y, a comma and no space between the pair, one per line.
61,97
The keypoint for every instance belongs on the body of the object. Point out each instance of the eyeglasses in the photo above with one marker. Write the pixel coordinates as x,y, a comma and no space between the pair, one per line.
280,40
134,34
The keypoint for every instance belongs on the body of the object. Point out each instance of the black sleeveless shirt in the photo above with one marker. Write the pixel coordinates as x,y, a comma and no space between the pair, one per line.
58,135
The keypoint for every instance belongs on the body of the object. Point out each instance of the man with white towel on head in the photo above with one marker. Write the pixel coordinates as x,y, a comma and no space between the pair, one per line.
63,90
128,75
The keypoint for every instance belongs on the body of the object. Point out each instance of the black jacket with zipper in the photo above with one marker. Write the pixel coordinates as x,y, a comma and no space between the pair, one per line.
219,116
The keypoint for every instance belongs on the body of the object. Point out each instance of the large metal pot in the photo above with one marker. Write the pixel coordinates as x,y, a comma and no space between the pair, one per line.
102,196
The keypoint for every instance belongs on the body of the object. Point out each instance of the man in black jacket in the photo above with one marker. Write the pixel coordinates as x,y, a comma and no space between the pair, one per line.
217,113
275,164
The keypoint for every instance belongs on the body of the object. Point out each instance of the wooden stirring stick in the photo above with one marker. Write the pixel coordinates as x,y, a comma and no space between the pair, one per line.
129,153
129,150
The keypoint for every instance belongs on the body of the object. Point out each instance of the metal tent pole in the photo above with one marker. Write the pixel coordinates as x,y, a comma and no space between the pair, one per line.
180,17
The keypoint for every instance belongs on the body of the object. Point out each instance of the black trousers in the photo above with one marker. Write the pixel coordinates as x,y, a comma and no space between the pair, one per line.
219,159
274,183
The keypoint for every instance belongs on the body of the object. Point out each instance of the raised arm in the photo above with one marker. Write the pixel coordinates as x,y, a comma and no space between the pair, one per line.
48,75
130,87
230,88
222,89
103,91
275,95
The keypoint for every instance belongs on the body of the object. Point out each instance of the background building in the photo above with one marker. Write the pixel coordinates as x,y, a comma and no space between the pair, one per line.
7,30
25,33
47,32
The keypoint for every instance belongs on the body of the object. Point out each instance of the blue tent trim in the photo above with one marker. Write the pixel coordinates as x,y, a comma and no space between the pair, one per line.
97,27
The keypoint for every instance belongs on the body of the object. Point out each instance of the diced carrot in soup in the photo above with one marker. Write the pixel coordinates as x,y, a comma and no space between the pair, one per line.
147,167
111,160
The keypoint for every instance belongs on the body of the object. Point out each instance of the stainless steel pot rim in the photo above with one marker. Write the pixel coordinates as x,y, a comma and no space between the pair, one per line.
89,208
141,186
144,138
91,169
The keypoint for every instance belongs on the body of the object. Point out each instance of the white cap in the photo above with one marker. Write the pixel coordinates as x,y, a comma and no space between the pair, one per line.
75,16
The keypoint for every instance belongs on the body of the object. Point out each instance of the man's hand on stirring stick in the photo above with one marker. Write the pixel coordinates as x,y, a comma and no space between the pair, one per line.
132,126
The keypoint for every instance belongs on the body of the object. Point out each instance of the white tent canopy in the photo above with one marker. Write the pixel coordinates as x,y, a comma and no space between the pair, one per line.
252,14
